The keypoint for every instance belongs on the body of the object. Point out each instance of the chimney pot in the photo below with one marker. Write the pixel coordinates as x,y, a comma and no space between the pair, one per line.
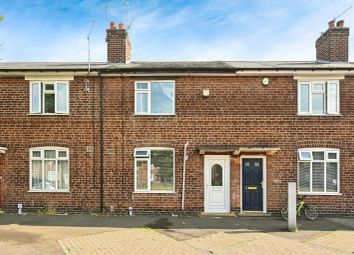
121,26
113,25
340,23
331,24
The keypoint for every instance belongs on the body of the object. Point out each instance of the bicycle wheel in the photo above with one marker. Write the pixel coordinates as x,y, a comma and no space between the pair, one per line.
311,213
284,213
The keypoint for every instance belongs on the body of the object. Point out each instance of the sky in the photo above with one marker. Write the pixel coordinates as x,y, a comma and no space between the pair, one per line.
169,30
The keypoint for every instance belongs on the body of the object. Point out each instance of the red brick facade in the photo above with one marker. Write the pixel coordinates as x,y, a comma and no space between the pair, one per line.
239,110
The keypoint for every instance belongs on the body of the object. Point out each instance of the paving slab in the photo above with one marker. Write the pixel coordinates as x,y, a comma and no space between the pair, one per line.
126,241
245,243
340,240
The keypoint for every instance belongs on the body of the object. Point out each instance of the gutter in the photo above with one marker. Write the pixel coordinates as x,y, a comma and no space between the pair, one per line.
101,143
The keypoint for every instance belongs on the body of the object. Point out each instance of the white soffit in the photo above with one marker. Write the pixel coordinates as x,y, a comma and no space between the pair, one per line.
49,77
319,77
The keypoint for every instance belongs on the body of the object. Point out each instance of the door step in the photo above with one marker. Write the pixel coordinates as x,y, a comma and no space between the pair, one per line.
231,214
253,214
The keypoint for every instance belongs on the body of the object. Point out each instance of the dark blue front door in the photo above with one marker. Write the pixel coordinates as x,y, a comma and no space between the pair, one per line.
252,190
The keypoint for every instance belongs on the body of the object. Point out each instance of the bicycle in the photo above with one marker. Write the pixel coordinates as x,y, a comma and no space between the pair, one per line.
301,208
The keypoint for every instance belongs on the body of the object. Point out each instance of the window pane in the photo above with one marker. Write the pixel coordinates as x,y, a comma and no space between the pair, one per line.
216,175
36,97
142,103
62,98
305,155
49,103
141,154
63,175
318,155
36,154
318,87
317,103
142,174
161,170
304,98
318,176
50,176
36,174
332,155
162,97
49,154
304,176
332,98
62,154
141,86
49,87
331,175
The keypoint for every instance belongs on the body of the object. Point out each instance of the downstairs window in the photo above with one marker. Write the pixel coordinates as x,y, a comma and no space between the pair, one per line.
49,169
154,170
318,171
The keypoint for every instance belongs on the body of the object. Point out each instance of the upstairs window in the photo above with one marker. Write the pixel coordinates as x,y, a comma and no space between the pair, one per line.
318,171
49,97
155,98
154,170
318,98
49,169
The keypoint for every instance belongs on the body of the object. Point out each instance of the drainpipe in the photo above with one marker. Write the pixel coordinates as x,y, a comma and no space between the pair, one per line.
101,142
185,158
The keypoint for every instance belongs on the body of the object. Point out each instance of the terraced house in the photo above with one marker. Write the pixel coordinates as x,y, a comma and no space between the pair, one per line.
173,137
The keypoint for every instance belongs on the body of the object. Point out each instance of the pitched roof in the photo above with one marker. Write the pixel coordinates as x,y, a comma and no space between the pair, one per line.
182,66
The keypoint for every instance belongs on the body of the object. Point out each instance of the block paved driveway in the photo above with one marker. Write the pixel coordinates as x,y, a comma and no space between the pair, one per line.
30,234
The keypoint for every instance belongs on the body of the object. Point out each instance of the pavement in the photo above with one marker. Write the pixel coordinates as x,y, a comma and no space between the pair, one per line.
89,234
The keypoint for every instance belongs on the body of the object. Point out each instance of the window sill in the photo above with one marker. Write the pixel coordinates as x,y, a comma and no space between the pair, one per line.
318,194
49,191
154,192
48,114
319,115
154,115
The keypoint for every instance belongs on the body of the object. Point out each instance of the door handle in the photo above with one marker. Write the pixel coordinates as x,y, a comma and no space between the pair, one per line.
262,183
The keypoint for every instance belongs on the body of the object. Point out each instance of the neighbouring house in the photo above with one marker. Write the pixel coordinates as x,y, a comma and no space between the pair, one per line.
173,137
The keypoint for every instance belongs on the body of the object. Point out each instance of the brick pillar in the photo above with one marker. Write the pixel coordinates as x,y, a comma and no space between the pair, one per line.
118,44
332,45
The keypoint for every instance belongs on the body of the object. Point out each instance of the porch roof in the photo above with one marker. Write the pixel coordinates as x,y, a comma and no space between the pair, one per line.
238,149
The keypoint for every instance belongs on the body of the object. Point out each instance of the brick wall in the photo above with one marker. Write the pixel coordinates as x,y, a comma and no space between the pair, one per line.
239,111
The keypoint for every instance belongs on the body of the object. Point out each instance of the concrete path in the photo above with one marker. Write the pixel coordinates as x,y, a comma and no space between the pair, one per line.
171,235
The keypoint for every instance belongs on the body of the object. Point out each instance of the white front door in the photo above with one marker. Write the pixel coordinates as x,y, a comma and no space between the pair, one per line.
217,184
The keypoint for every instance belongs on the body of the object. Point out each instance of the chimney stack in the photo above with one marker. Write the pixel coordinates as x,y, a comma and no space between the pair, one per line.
333,45
118,44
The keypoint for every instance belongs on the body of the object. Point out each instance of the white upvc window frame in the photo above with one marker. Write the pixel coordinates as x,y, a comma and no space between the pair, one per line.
326,152
326,110
148,160
149,94
41,97
43,159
